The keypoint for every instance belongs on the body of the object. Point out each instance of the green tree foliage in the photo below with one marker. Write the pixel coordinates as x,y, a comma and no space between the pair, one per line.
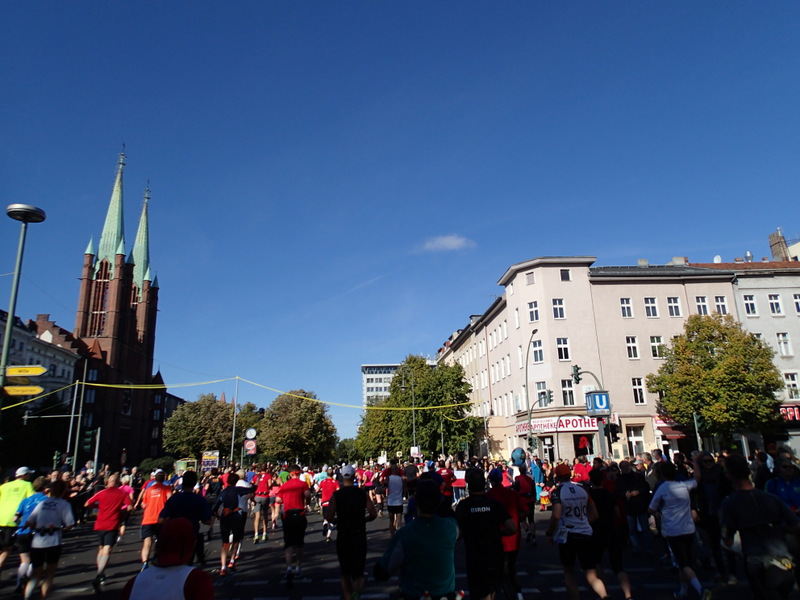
416,385
167,463
721,372
346,451
202,425
295,427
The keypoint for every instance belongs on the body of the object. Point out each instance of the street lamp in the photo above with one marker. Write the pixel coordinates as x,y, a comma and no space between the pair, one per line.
26,214
413,406
527,390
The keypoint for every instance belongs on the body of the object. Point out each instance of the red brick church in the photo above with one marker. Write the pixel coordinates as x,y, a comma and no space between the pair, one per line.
115,332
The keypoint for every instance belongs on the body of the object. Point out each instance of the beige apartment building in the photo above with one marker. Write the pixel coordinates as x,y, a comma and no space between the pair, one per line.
612,322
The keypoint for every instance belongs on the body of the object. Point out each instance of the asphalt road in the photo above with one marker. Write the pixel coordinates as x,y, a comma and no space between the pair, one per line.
261,567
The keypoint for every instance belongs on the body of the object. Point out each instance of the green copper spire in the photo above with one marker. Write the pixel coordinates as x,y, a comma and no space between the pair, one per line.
141,246
113,236
90,247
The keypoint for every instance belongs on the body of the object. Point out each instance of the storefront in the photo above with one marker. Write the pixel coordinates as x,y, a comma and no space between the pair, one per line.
791,412
667,435
560,437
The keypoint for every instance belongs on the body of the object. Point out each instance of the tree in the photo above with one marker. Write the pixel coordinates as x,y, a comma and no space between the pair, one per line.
346,451
297,427
415,391
197,426
721,372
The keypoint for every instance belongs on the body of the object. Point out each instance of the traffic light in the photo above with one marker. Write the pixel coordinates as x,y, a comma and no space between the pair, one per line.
56,459
699,422
88,440
549,399
576,374
533,443
613,432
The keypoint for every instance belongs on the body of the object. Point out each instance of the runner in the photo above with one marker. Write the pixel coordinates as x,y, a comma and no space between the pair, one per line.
11,494
125,480
261,505
294,496
153,500
48,519
517,508
327,487
394,499
110,501
232,519
25,534
347,508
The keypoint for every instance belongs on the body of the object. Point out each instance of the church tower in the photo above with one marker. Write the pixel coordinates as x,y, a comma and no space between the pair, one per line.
116,323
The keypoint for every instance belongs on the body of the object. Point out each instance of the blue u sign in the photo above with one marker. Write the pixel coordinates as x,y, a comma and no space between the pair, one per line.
598,402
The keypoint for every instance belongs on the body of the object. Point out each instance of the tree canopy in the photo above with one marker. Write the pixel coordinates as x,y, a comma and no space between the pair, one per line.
721,372
197,426
295,427
390,426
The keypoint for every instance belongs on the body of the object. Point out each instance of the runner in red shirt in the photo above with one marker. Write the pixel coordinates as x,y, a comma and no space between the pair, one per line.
517,507
326,487
448,477
110,502
293,496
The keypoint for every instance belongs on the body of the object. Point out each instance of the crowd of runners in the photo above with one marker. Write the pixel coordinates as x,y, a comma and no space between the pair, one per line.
723,512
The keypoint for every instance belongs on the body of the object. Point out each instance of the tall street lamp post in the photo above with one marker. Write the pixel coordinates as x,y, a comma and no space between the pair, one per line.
26,214
527,390
413,407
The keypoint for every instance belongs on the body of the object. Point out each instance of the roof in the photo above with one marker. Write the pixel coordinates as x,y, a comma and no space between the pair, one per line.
764,266
542,261
658,271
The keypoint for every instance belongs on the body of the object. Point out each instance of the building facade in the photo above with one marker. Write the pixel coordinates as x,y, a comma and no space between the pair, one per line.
558,313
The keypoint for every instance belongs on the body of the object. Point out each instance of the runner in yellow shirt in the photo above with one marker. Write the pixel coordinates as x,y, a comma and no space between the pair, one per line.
11,494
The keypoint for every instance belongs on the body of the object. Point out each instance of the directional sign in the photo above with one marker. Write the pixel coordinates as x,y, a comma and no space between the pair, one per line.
23,390
598,403
25,371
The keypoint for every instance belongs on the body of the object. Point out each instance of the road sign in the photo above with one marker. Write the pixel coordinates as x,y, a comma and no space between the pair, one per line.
598,403
25,370
23,390
250,447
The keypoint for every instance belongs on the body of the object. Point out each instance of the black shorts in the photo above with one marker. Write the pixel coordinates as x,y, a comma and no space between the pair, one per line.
395,509
578,546
352,557
294,529
7,536
232,524
484,579
681,546
107,538
149,531
43,556
380,489
23,542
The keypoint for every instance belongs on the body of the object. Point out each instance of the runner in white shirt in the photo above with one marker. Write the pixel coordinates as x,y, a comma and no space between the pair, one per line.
570,527
47,521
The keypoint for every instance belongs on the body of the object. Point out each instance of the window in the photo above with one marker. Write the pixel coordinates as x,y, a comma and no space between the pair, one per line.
656,346
88,419
505,329
638,391
541,393
567,393
674,306
565,275
157,399
538,352
558,308
650,308
155,433
91,375
157,415
633,346
792,391
784,348
625,305
533,311
520,360
775,304
797,303
516,318
510,288
562,344
721,305
750,305
702,305
530,278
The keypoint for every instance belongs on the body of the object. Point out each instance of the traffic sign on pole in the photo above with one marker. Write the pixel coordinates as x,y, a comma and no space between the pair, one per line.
23,390
25,370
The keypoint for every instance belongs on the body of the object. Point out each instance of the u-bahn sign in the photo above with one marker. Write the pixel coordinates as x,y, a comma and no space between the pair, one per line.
598,404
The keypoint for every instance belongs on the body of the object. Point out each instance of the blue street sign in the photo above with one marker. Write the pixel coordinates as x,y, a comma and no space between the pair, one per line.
598,403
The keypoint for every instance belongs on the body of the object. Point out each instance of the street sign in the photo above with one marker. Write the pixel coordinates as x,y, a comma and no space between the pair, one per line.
598,403
23,390
250,447
25,370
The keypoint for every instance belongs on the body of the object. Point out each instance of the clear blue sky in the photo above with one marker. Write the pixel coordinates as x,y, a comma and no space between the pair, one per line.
338,183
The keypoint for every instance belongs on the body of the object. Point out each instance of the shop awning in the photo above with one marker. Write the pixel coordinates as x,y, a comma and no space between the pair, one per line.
671,433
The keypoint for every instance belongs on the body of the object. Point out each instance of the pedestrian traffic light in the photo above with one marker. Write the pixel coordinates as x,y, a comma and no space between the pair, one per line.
88,440
549,399
576,374
56,459
613,430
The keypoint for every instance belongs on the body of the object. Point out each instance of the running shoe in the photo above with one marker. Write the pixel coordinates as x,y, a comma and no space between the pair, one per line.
324,529
256,539
96,584
232,566
223,572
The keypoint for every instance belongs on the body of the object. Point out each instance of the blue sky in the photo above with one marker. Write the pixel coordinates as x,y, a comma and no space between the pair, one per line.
338,183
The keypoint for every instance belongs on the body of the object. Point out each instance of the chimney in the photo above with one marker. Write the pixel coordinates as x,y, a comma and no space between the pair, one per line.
778,247
642,262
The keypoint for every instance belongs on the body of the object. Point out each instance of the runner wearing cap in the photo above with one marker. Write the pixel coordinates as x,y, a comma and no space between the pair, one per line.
293,496
11,494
